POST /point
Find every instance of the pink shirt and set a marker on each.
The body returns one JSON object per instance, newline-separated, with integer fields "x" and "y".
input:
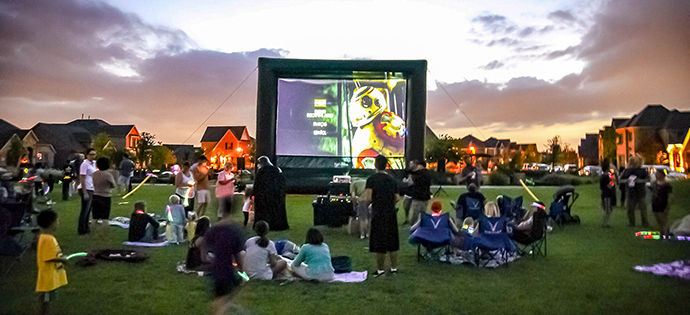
{"x": 227, "y": 189}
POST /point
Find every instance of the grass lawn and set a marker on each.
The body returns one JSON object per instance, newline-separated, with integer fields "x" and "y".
{"x": 588, "y": 271}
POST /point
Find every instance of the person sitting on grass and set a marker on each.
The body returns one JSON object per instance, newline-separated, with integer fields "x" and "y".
{"x": 51, "y": 263}
{"x": 142, "y": 227}
{"x": 197, "y": 256}
{"x": 176, "y": 217}
{"x": 261, "y": 260}
{"x": 314, "y": 259}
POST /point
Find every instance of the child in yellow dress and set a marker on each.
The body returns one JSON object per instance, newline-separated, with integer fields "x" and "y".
{"x": 51, "y": 263}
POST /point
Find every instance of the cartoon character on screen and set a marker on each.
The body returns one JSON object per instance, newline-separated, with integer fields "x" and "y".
{"x": 376, "y": 130}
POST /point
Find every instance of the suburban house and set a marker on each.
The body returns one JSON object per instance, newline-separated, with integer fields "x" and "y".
{"x": 656, "y": 133}
{"x": 227, "y": 143}
{"x": 183, "y": 152}
{"x": 54, "y": 144}
{"x": 588, "y": 150}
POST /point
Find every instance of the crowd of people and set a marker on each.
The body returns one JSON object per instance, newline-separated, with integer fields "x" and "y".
{"x": 221, "y": 249}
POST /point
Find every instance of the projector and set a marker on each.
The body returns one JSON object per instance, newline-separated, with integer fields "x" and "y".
{"x": 341, "y": 179}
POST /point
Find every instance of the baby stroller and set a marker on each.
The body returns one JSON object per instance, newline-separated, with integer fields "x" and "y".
{"x": 560, "y": 209}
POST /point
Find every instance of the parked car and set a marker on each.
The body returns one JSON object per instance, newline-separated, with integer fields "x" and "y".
{"x": 570, "y": 168}
{"x": 671, "y": 175}
{"x": 591, "y": 170}
{"x": 558, "y": 169}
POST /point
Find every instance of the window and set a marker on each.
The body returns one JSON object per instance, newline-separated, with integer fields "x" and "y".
{"x": 226, "y": 146}
{"x": 232, "y": 144}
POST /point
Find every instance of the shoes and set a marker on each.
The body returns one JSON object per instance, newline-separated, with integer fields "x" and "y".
{"x": 394, "y": 271}
{"x": 361, "y": 237}
{"x": 379, "y": 273}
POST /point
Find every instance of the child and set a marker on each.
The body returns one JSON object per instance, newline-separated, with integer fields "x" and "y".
{"x": 608, "y": 192}
{"x": 262, "y": 261}
{"x": 103, "y": 183}
{"x": 142, "y": 227}
{"x": 226, "y": 242}
{"x": 248, "y": 205}
{"x": 51, "y": 269}
{"x": 175, "y": 214}
{"x": 661, "y": 190}
{"x": 314, "y": 259}
{"x": 197, "y": 257}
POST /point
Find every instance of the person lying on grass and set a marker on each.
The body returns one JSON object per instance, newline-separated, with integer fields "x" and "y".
{"x": 262, "y": 261}
{"x": 314, "y": 259}
{"x": 142, "y": 227}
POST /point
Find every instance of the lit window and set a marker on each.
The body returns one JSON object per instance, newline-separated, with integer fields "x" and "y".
{"x": 39, "y": 156}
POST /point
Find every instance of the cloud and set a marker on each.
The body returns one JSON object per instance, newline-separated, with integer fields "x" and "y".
{"x": 492, "y": 65}
{"x": 505, "y": 41}
{"x": 562, "y": 16}
{"x": 527, "y": 31}
{"x": 75, "y": 57}
{"x": 634, "y": 54}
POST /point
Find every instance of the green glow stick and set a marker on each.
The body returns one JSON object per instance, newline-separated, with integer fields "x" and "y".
{"x": 76, "y": 255}
{"x": 243, "y": 275}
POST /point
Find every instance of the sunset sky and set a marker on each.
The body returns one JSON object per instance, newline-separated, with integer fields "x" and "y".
{"x": 525, "y": 70}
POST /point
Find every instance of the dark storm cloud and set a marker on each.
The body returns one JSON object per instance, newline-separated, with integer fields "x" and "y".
{"x": 636, "y": 53}
{"x": 53, "y": 53}
{"x": 492, "y": 65}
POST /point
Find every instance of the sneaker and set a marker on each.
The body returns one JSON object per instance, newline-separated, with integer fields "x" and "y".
{"x": 361, "y": 237}
{"x": 394, "y": 270}
{"x": 379, "y": 273}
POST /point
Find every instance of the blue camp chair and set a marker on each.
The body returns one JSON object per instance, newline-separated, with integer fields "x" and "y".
{"x": 511, "y": 208}
{"x": 493, "y": 242}
{"x": 472, "y": 207}
{"x": 433, "y": 233}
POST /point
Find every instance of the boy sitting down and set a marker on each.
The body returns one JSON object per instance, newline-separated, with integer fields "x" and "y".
{"x": 142, "y": 227}
{"x": 51, "y": 268}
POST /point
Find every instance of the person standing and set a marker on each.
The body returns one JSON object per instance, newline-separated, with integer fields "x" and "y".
{"x": 76, "y": 167}
{"x": 86, "y": 170}
{"x": 468, "y": 175}
{"x": 226, "y": 242}
{"x": 269, "y": 195}
{"x": 636, "y": 178}
{"x": 420, "y": 187}
{"x": 225, "y": 189}
{"x": 126, "y": 169}
{"x": 382, "y": 192}
{"x": 184, "y": 186}
{"x": 622, "y": 187}
{"x": 608, "y": 192}
{"x": 66, "y": 181}
{"x": 407, "y": 191}
{"x": 661, "y": 190}
{"x": 103, "y": 183}
{"x": 203, "y": 193}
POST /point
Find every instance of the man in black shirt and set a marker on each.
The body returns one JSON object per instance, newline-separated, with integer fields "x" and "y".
{"x": 142, "y": 227}
{"x": 382, "y": 192}
{"x": 420, "y": 189}
{"x": 470, "y": 204}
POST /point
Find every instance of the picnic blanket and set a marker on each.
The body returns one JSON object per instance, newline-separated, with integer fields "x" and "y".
{"x": 679, "y": 269}
{"x": 350, "y": 277}
{"x": 120, "y": 221}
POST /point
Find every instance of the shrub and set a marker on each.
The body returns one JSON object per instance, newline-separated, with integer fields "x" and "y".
{"x": 565, "y": 179}
{"x": 498, "y": 179}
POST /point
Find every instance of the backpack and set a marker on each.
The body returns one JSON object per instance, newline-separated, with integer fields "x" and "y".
{"x": 341, "y": 264}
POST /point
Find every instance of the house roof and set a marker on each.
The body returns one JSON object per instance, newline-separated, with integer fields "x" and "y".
{"x": 115, "y": 130}
{"x": 618, "y": 122}
{"x": 63, "y": 137}
{"x": 470, "y": 139}
{"x": 650, "y": 116}
{"x": 91, "y": 125}
{"x": 215, "y": 133}
{"x": 6, "y": 131}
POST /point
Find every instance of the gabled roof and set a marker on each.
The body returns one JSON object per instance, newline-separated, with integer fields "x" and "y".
{"x": 618, "y": 122}
{"x": 6, "y": 131}
{"x": 678, "y": 120}
{"x": 91, "y": 125}
{"x": 470, "y": 139}
{"x": 491, "y": 142}
{"x": 115, "y": 131}
{"x": 64, "y": 137}
{"x": 215, "y": 133}
{"x": 650, "y": 116}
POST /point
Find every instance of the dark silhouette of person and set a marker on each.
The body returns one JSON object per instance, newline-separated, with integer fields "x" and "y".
{"x": 269, "y": 195}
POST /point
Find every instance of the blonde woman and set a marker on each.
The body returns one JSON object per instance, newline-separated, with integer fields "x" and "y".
{"x": 635, "y": 179}
{"x": 491, "y": 210}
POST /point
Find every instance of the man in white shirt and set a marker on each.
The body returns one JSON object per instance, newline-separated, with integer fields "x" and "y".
{"x": 85, "y": 188}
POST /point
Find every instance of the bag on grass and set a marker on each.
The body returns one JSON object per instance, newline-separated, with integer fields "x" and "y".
{"x": 341, "y": 264}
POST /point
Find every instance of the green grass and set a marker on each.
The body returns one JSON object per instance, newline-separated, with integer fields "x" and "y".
{"x": 588, "y": 271}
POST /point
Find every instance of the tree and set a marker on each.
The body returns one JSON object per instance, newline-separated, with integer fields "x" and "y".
{"x": 103, "y": 145}
{"x": 161, "y": 156}
{"x": 144, "y": 148}
{"x": 609, "y": 138}
{"x": 554, "y": 147}
{"x": 16, "y": 151}
{"x": 445, "y": 148}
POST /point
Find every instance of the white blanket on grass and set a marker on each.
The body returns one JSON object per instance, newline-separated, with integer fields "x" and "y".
{"x": 144, "y": 244}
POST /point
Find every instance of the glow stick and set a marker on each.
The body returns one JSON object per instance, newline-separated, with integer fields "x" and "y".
{"x": 76, "y": 255}
{"x": 47, "y": 190}
{"x": 169, "y": 213}
{"x": 188, "y": 193}
{"x": 529, "y": 191}
{"x": 243, "y": 275}
{"x": 642, "y": 233}
{"x": 135, "y": 188}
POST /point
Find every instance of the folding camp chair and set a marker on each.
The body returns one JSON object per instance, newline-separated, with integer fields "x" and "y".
{"x": 511, "y": 208}
{"x": 493, "y": 243}
{"x": 434, "y": 234}
{"x": 535, "y": 242}
{"x": 471, "y": 207}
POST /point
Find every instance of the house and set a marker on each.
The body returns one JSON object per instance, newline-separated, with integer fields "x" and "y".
{"x": 472, "y": 145}
{"x": 227, "y": 143}
{"x": 183, "y": 152}
{"x": 588, "y": 150}
{"x": 55, "y": 144}
{"x": 651, "y": 133}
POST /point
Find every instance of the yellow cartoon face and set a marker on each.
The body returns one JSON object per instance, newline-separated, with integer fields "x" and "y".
{"x": 365, "y": 104}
